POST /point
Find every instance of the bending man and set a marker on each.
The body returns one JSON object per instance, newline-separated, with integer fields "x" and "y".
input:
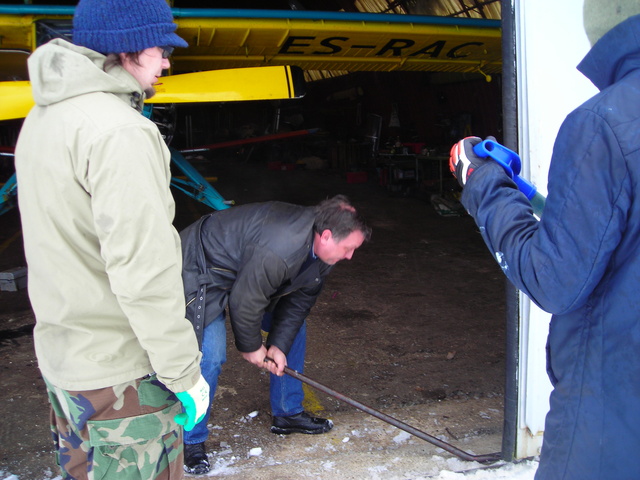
{"x": 267, "y": 263}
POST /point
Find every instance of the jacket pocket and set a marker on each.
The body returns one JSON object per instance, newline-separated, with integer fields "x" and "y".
{"x": 135, "y": 448}
{"x": 222, "y": 278}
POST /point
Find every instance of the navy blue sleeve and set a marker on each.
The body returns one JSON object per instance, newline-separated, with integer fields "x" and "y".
{"x": 558, "y": 261}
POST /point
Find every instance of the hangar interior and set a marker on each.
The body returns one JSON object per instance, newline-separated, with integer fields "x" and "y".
{"x": 412, "y": 326}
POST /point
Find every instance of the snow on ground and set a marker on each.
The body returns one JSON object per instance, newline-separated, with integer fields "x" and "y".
{"x": 511, "y": 471}
{"x": 11, "y": 476}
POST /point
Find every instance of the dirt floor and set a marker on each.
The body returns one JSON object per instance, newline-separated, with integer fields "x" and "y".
{"x": 412, "y": 326}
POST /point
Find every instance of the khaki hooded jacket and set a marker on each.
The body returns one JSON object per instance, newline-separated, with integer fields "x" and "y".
{"x": 103, "y": 258}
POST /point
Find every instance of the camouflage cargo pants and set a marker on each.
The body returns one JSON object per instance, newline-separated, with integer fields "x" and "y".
{"x": 124, "y": 432}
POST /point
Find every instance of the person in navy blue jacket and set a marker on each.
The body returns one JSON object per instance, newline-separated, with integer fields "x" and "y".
{"x": 580, "y": 262}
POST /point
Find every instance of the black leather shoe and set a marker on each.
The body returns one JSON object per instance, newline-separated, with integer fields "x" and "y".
{"x": 195, "y": 459}
{"x": 300, "y": 423}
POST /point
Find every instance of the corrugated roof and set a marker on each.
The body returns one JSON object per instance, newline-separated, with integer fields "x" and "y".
{"x": 442, "y": 8}
{"x": 489, "y": 9}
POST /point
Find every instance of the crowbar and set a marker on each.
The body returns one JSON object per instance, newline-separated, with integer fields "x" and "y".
{"x": 487, "y": 458}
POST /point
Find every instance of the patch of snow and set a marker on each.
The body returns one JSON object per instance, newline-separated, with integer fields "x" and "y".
{"x": 328, "y": 465}
{"x": 255, "y": 452}
{"x": 225, "y": 449}
{"x": 510, "y": 471}
{"x": 402, "y": 437}
{"x": 222, "y": 466}
{"x": 10, "y": 476}
{"x": 456, "y": 464}
{"x": 377, "y": 469}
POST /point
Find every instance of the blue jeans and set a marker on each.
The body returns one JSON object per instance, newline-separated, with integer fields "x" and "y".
{"x": 285, "y": 392}
{"x": 214, "y": 355}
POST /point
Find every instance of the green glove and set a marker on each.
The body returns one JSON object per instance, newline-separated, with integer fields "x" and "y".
{"x": 195, "y": 403}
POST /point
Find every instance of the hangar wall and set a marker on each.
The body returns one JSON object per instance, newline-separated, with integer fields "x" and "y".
{"x": 549, "y": 87}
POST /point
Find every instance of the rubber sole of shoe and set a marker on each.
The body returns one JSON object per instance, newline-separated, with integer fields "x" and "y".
{"x": 200, "y": 469}
{"x": 289, "y": 430}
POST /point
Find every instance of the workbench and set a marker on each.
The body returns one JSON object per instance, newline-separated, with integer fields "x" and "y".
{"x": 399, "y": 172}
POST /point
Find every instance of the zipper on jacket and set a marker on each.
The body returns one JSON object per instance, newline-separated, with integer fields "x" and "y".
{"x": 222, "y": 270}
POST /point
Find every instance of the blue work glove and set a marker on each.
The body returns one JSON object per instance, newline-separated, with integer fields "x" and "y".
{"x": 463, "y": 161}
{"x": 195, "y": 403}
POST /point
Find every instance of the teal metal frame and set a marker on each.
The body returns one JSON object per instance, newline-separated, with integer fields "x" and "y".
{"x": 196, "y": 186}
{"x": 8, "y": 194}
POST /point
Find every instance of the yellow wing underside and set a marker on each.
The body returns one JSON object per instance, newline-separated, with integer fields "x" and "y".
{"x": 222, "y": 52}
{"x": 217, "y": 43}
{"x": 231, "y": 85}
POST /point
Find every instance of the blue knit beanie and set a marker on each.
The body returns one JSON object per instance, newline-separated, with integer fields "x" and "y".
{"x": 122, "y": 26}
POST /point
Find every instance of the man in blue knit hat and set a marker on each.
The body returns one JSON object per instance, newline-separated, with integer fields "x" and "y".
{"x": 119, "y": 359}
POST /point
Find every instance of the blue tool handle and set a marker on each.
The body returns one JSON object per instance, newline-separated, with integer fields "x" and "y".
{"x": 509, "y": 159}
{"x": 525, "y": 187}
{"x": 510, "y": 162}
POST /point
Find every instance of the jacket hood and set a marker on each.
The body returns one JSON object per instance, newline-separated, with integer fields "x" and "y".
{"x": 60, "y": 70}
{"x": 616, "y": 54}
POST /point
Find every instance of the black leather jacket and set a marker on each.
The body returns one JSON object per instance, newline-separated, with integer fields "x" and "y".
{"x": 250, "y": 258}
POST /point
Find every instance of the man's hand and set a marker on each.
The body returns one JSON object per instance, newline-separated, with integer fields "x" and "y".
{"x": 195, "y": 402}
{"x": 463, "y": 161}
{"x": 276, "y": 363}
{"x": 279, "y": 360}
{"x": 257, "y": 357}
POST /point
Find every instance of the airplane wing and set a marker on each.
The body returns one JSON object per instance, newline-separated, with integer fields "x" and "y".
{"x": 337, "y": 41}
{"x": 230, "y": 85}
{"x": 311, "y": 40}
{"x": 283, "y": 41}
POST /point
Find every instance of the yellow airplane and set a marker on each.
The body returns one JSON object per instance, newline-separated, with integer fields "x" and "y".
{"x": 311, "y": 40}
{"x": 228, "y": 85}
{"x": 236, "y": 39}
{"x": 229, "y": 39}
{"x": 336, "y": 41}
{"x": 260, "y": 54}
